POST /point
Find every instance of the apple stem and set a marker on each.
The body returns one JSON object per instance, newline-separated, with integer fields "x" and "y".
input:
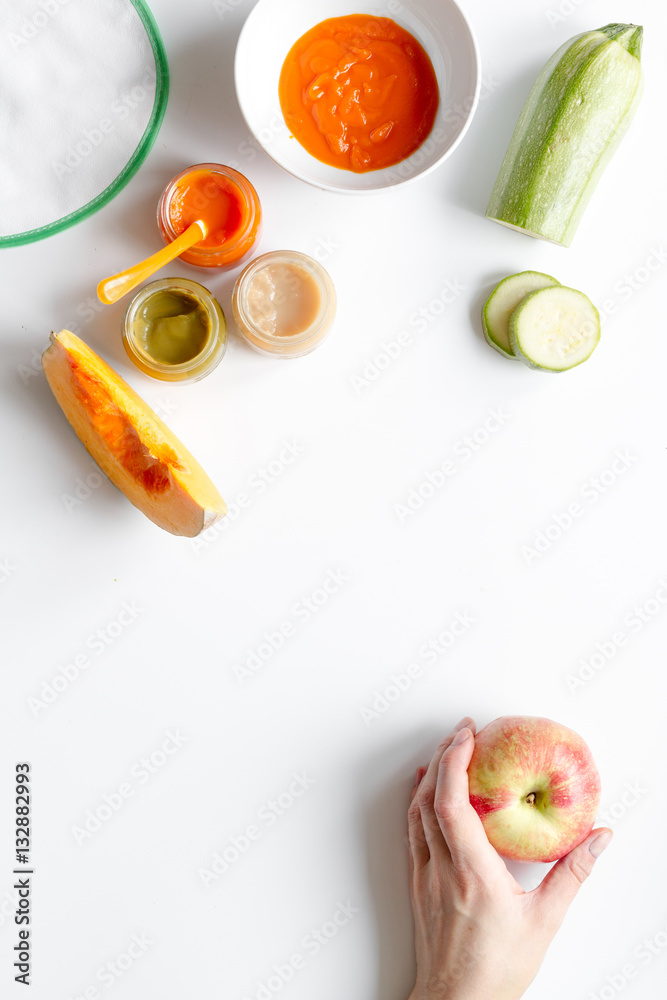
{"x": 530, "y": 799}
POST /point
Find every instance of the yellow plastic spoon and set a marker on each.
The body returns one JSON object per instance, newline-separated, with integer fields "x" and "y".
{"x": 111, "y": 289}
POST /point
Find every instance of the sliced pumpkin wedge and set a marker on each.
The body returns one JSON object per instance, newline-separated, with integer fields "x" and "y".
{"x": 129, "y": 442}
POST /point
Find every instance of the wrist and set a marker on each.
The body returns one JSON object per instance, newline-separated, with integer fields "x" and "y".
{"x": 446, "y": 991}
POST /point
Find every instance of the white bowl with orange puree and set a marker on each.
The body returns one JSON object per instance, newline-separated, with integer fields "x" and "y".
{"x": 284, "y": 303}
{"x": 359, "y": 93}
{"x": 328, "y": 89}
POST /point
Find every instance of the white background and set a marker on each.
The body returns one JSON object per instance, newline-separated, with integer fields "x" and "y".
{"x": 70, "y": 568}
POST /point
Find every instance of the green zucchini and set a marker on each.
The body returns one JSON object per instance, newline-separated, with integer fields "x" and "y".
{"x": 576, "y": 114}
{"x": 502, "y": 302}
{"x": 554, "y": 329}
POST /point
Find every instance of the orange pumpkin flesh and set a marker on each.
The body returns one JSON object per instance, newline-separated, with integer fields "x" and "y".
{"x": 129, "y": 442}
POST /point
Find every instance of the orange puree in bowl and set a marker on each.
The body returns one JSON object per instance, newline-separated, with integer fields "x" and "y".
{"x": 358, "y": 92}
{"x": 215, "y": 200}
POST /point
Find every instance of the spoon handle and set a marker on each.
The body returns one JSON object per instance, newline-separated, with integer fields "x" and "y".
{"x": 111, "y": 289}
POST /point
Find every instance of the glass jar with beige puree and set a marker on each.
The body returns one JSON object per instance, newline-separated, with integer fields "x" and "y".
{"x": 284, "y": 303}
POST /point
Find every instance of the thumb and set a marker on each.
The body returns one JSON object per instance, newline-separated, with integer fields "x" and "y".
{"x": 568, "y": 875}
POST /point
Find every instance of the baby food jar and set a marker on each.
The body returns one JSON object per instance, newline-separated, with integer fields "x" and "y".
{"x": 175, "y": 330}
{"x": 284, "y": 303}
{"x": 225, "y": 201}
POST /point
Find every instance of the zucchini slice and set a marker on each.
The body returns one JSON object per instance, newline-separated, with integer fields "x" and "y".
{"x": 502, "y": 302}
{"x": 554, "y": 329}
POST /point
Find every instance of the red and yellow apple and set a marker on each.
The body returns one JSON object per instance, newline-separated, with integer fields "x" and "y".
{"x": 535, "y": 786}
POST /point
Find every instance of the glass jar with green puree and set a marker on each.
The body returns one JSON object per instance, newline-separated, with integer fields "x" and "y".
{"x": 175, "y": 330}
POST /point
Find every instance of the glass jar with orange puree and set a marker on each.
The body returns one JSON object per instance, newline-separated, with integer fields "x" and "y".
{"x": 225, "y": 201}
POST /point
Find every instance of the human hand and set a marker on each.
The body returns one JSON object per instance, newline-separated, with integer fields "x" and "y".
{"x": 478, "y": 935}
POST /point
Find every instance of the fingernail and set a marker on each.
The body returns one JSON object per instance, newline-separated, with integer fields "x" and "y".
{"x": 419, "y": 774}
{"x": 461, "y": 737}
{"x": 601, "y": 843}
{"x": 465, "y": 721}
